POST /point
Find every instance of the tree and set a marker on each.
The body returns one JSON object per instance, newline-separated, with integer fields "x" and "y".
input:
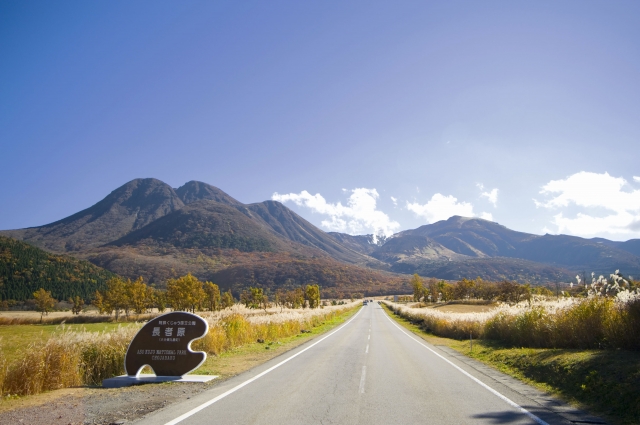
{"x": 254, "y": 298}
{"x": 312, "y": 295}
{"x": 212, "y": 293}
{"x": 98, "y": 302}
{"x": 78, "y": 303}
{"x": 185, "y": 293}
{"x": 159, "y": 299}
{"x": 418, "y": 289}
{"x": 115, "y": 298}
{"x": 295, "y": 298}
{"x": 227, "y": 299}
{"x": 44, "y": 302}
{"x": 139, "y": 295}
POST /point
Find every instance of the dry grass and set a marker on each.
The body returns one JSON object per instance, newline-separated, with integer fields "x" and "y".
{"x": 71, "y": 357}
{"x": 55, "y": 318}
{"x": 595, "y": 322}
{"x": 66, "y": 360}
{"x": 239, "y": 325}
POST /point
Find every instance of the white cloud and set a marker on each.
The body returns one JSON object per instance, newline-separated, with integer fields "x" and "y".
{"x": 593, "y": 191}
{"x": 394, "y": 200}
{"x": 359, "y": 216}
{"x": 492, "y": 196}
{"x": 486, "y": 216}
{"x": 636, "y": 178}
{"x": 441, "y": 207}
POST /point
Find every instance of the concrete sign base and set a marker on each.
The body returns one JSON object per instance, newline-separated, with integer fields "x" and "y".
{"x": 126, "y": 380}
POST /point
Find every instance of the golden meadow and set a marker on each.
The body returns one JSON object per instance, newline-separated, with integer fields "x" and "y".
{"x": 72, "y": 356}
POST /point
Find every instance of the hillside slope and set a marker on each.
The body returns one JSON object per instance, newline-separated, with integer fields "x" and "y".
{"x": 24, "y": 269}
{"x": 128, "y": 208}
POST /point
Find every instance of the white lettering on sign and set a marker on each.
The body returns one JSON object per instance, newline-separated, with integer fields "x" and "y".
{"x": 156, "y": 332}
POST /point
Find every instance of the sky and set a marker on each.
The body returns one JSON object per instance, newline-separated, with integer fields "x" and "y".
{"x": 363, "y": 117}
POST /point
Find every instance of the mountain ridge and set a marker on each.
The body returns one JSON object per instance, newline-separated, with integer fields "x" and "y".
{"x": 147, "y": 226}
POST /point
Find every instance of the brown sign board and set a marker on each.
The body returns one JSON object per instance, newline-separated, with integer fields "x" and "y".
{"x": 164, "y": 344}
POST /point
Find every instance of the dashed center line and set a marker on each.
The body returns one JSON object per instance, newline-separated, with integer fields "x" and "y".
{"x": 364, "y": 374}
{"x": 367, "y": 350}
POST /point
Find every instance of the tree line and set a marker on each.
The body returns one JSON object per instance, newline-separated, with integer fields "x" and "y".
{"x": 433, "y": 290}
{"x": 186, "y": 293}
{"x": 295, "y": 298}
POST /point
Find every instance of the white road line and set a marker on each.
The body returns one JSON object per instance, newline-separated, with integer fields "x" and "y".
{"x": 504, "y": 398}
{"x": 367, "y": 350}
{"x": 364, "y": 374}
{"x": 248, "y": 381}
{"x": 368, "y": 337}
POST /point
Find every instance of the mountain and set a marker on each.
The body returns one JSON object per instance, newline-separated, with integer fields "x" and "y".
{"x": 632, "y": 246}
{"x": 482, "y": 239}
{"x": 493, "y": 269}
{"x": 197, "y": 191}
{"x": 473, "y": 237}
{"x": 290, "y": 226}
{"x": 24, "y": 269}
{"x": 364, "y": 244}
{"x": 578, "y": 254}
{"x": 146, "y": 228}
{"x": 205, "y": 224}
{"x": 412, "y": 248}
{"x": 128, "y": 208}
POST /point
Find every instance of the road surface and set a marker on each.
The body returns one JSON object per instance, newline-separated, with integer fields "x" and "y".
{"x": 368, "y": 371}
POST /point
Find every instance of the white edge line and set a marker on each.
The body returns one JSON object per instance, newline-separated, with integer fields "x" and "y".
{"x": 504, "y": 398}
{"x": 248, "y": 381}
{"x": 362, "y": 378}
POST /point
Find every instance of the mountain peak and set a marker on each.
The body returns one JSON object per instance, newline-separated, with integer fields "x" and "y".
{"x": 129, "y": 207}
{"x": 196, "y": 191}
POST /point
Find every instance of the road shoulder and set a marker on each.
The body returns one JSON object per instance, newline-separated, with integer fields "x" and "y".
{"x": 542, "y": 404}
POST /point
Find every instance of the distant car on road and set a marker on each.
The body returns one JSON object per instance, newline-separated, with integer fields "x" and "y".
{"x": 364, "y": 302}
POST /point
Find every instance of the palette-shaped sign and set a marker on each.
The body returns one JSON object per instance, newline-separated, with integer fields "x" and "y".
{"x": 164, "y": 344}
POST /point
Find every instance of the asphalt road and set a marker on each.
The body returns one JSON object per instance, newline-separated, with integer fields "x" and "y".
{"x": 368, "y": 371}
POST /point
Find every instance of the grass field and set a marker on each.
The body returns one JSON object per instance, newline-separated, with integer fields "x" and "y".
{"x": 14, "y": 339}
{"x": 604, "y": 382}
{"x": 40, "y": 358}
{"x": 225, "y": 365}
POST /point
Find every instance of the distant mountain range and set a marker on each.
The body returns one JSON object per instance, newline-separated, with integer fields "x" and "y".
{"x": 459, "y": 243}
{"x": 148, "y": 228}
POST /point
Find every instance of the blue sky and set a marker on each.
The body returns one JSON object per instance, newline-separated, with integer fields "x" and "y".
{"x": 361, "y": 116}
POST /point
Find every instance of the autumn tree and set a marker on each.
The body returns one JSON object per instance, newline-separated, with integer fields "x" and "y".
{"x": 139, "y": 295}
{"x": 78, "y": 304}
{"x": 44, "y": 302}
{"x": 312, "y": 295}
{"x": 227, "y": 299}
{"x": 159, "y": 299}
{"x": 418, "y": 289}
{"x": 185, "y": 293}
{"x": 254, "y": 298}
{"x": 279, "y": 299}
{"x": 464, "y": 289}
{"x": 295, "y": 298}
{"x": 212, "y": 293}
{"x": 115, "y": 298}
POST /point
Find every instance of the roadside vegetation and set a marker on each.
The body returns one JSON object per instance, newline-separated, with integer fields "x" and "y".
{"x": 74, "y": 355}
{"x": 583, "y": 345}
